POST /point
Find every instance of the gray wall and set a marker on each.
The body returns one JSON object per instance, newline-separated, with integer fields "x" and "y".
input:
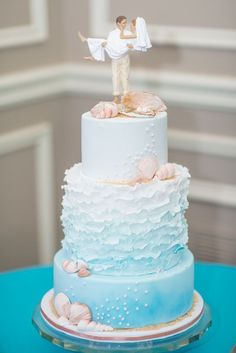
{"x": 45, "y": 86}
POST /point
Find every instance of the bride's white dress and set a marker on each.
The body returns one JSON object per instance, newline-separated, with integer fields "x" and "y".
{"x": 115, "y": 47}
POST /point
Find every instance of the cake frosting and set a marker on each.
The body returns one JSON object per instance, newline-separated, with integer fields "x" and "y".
{"x": 119, "y": 229}
{"x": 124, "y": 261}
{"x": 111, "y": 148}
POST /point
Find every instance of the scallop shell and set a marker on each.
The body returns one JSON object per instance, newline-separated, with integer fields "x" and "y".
{"x": 70, "y": 266}
{"x": 79, "y": 312}
{"x": 62, "y": 305}
{"x": 148, "y": 167}
{"x": 143, "y": 103}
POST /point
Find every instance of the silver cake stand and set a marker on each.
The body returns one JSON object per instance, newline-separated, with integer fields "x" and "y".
{"x": 146, "y": 340}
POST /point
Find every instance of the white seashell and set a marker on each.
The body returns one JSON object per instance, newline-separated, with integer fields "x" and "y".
{"x": 79, "y": 312}
{"x": 63, "y": 321}
{"x": 62, "y": 305}
{"x": 166, "y": 171}
{"x": 82, "y": 325}
{"x": 148, "y": 167}
{"x": 104, "y": 110}
{"x": 69, "y": 266}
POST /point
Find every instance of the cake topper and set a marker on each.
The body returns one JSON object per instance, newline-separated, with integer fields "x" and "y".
{"x": 117, "y": 46}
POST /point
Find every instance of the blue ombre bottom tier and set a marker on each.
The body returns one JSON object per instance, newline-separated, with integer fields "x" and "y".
{"x": 130, "y": 301}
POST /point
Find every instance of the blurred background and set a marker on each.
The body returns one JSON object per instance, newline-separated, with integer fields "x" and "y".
{"x": 45, "y": 86}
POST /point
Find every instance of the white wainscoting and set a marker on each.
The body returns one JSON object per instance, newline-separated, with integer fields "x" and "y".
{"x": 196, "y": 91}
{"x": 40, "y": 138}
{"x": 34, "y": 32}
{"x": 220, "y": 38}
{"x": 183, "y": 89}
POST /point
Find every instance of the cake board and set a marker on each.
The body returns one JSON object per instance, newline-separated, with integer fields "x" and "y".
{"x": 171, "y": 336}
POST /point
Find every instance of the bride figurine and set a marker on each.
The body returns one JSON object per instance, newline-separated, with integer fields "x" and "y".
{"x": 117, "y": 46}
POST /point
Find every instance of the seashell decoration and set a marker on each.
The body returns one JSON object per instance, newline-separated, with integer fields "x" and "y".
{"x": 143, "y": 103}
{"x": 104, "y": 110}
{"x": 69, "y": 266}
{"x": 79, "y": 312}
{"x": 62, "y": 305}
{"x": 80, "y": 267}
{"x": 83, "y": 272}
{"x": 148, "y": 167}
{"x": 76, "y": 314}
{"x": 166, "y": 171}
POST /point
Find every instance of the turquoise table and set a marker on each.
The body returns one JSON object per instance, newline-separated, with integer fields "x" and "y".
{"x": 21, "y": 290}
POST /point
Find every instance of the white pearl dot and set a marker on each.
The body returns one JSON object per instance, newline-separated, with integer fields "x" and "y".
{"x": 128, "y": 288}
{"x": 136, "y": 299}
{"x": 122, "y": 319}
{"x": 120, "y": 323}
{"x": 128, "y": 325}
{"x": 127, "y": 312}
{"x": 124, "y": 303}
{"x": 117, "y": 299}
{"x": 125, "y": 309}
{"x": 107, "y": 300}
{"x": 113, "y": 318}
{"x": 108, "y": 315}
{"x": 146, "y": 305}
{"x": 125, "y": 295}
{"x": 146, "y": 291}
{"x": 137, "y": 308}
{"x": 117, "y": 308}
{"x": 108, "y": 321}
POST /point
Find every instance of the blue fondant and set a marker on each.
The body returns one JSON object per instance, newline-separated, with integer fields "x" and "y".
{"x": 131, "y": 301}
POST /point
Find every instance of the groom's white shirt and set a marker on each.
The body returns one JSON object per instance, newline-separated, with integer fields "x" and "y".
{"x": 117, "y": 47}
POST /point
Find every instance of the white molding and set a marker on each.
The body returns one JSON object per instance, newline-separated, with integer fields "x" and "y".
{"x": 216, "y": 38}
{"x": 34, "y": 32}
{"x": 220, "y": 194}
{"x": 40, "y": 137}
{"x": 209, "y": 144}
{"x": 178, "y": 89}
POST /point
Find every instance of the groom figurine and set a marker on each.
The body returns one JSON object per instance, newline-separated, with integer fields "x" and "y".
{"x": 120, "y": 65}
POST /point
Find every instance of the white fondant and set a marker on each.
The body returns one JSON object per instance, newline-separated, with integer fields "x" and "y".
{"x": 112, "y": 148}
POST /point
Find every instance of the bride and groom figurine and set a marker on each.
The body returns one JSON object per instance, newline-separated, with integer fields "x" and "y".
{"x": 117, "y": 46}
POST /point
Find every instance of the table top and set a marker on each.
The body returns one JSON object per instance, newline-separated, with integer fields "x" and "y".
{"x": 22, "y": 289}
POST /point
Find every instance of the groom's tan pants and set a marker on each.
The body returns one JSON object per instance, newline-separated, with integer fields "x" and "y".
{"x": 120, "y": 75}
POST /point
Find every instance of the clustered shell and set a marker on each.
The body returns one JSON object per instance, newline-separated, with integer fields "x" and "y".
{"x": 143, "y": 103}
{"x": 76, "y": 314}
{"x": 105, "y": 110}
{"x": 80, "y": 267}
{"x": 149, "y": 168}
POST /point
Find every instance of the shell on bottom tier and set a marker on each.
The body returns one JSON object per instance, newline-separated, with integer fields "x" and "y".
{"x": 162, "y": 330}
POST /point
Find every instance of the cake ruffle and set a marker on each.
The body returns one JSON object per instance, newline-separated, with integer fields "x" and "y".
{"x": 122, "y": 229}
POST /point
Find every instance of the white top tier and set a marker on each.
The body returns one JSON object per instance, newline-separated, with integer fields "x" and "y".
{"x": 112, "y": 148}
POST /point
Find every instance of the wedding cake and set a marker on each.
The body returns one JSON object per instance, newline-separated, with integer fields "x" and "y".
{"x": 124, "y": 261}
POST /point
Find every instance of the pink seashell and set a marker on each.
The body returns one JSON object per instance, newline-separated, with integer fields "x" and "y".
{"x": 79, "y": 312}
{"x": 166, "y": 171}
{"x": 143, "y": 103}
{"x": 62, "y": 305}
{"x": 148, "y": 167}
{"x": 69, "y": 266}
{"x": 83, "y": 272}
{"x": 104, "y": 110}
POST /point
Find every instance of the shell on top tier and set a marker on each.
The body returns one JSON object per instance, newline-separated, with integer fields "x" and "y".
{"x": 143, "y": 103}
{"x": 105, "y": 110}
